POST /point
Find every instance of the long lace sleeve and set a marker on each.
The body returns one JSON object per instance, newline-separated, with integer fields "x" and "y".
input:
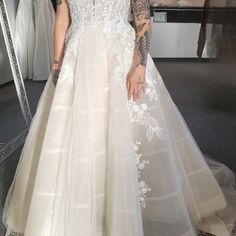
{"x": 142, "y": 25}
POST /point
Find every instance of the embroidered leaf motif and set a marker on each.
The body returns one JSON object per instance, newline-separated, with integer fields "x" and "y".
{"x": 140, "y": 116}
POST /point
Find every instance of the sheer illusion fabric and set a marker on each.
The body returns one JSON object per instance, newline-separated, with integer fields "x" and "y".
{"x": 95, "y": 163}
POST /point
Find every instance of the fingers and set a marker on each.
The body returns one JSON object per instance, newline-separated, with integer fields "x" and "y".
{"x": 136, "y": 92}
{"x": 127, "y": 84}
{"x": 144, "y": 87}
{"x": 130, "y": 93}
{"x": 135, "y": 95}
{"x": 135, "y": 84}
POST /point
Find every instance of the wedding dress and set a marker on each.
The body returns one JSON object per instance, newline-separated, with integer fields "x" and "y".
{"x": 96, "y": 163}
{"x": 33, "y": 38}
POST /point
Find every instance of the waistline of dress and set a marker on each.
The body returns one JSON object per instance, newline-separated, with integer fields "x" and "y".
{"x": 78, "y": 23}
{"x": 119, "y": 26}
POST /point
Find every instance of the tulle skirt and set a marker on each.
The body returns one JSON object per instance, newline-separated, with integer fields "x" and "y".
{"x": 95, "y": 163}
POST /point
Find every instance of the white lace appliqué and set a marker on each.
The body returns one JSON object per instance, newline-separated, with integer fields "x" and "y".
{"x": 143, "y": 186}
{"x": 140, "y": 115}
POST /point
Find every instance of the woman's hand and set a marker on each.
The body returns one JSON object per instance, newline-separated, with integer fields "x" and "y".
{"x": 135, "y": 82}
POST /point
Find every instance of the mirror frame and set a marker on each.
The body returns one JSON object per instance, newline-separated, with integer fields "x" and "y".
{"x": 8, "y": 148}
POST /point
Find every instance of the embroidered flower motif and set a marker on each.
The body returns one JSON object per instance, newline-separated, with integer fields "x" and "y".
{"x": 140, "y": 116}
{"x": 144, "y": 106}
{"x": 152, "y": 93}
{"x": 143, "y": 186}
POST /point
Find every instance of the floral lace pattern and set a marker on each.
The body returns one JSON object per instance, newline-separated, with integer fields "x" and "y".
{"x": 143, "y": 186}
{"x": 91, "y": 11}
{"x": 113, "y": 19}
{"x": 140, "y": 115}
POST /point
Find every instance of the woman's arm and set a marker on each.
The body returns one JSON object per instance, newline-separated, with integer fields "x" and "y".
{"x": 62, "y": 24}
{"x": 142, "y": 23}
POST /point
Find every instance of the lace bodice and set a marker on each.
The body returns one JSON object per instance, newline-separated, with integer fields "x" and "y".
{"x": 90, "y": 11}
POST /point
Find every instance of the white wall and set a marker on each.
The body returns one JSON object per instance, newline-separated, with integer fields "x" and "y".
{"x": 174, "y": 40}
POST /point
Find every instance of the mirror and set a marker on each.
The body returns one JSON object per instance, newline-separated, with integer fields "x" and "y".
{"x": 22, "y": 66}
{"x": 15, "y": 112}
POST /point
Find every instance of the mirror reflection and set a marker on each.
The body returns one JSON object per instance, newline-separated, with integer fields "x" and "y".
{"x": 193, "y": 47}
{"x": 11, "y": 118}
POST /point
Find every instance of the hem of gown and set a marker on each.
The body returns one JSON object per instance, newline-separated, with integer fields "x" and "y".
{"x": 217, "y": 204}
{"x": 10, "y": 232}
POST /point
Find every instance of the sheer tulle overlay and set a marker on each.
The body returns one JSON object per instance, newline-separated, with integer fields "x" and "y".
{"x": 95, "y": 163}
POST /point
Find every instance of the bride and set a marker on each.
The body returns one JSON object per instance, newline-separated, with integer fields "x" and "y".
{"x": 108, "y": 152}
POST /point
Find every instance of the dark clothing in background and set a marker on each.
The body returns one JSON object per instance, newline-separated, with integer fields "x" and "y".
{"x": 54, "y": 4}
{"x": 202, "y": 34}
